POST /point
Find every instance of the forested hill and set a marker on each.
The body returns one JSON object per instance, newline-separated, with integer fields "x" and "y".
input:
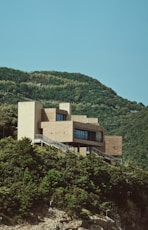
{"x": 119, "y": 116}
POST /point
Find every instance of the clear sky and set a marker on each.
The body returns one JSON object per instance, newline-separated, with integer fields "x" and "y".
{"x": 104, "y": 39}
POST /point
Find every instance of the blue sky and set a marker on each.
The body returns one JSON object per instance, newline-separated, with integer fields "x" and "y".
{"x": 104, "y": 39}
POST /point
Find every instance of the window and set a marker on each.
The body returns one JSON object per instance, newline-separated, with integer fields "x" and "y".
{"x": 99, "y": 136}
{"x": 92, "y": 136}
{"x": 88, "y": 135}
{"x": 60, "y": 117}
{"x": 81, "y": 134}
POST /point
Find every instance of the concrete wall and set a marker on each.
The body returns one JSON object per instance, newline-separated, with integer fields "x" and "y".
{"x": 29, "y": 117}
{"x": 84, "y": 119}
{"x": 113, "y": 145}
{"x": 61, "y": 131}
{"x": 49, "y": 114}
{"x": 66, "y": 107}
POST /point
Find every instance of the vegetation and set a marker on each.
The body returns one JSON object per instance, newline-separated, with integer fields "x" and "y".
{"x": 32, "y": 176}
{"x": 88, "y": 96}
{"x": 8, "y": 120}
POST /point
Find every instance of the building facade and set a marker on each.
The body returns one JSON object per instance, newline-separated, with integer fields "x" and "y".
{"x": 58, "y": 124}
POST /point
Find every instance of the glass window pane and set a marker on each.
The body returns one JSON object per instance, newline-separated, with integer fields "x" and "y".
{"x": 60, "y": 117}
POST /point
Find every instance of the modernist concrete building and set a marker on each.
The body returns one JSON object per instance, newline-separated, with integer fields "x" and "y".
{"x": 59, "y": 125}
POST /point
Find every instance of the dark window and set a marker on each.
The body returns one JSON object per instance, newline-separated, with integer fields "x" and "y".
{"x": 92, "y": 136}
{"x": 60, "y": 117}
{"x": 81, "y": 134}
{"x": 88, "y": 135}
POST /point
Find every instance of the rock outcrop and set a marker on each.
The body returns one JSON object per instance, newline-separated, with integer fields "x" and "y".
{"x": 59, "y": 220}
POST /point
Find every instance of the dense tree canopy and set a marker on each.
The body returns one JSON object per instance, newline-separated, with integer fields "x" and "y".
{"x": 31, "y": 176}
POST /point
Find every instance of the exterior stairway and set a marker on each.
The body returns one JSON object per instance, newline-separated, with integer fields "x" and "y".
{"x": 102, "y": 154}
{"x": 39, "y": 138}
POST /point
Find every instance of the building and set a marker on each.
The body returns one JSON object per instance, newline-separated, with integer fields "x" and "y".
{"x": 58, "y": 125}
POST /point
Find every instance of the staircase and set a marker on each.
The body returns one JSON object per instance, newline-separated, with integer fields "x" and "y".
{"x": 39, "y": 138}
{"x": 106, "y": 156}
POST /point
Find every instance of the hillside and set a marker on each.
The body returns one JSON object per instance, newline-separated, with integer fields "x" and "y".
{"x": 119, "y": 116}
{"x": 34, "y": 178}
